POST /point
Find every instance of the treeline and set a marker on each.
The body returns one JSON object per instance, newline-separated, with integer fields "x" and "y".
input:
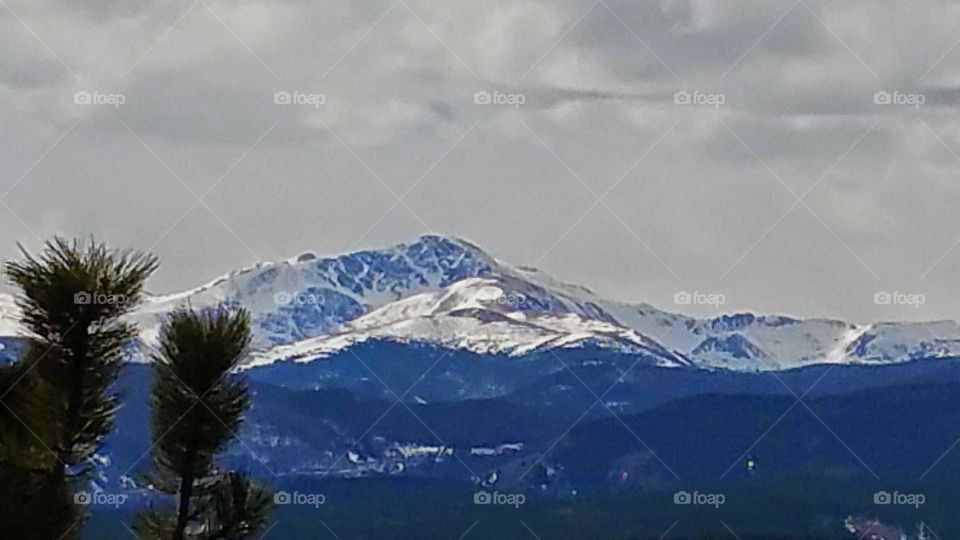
{"x": 57, "y": 403}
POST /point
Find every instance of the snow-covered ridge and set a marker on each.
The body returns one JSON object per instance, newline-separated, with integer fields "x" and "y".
{"x": 477, "y": 314}
{"x": 448, "y": 292}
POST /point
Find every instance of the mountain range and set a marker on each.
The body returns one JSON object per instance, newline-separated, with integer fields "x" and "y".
{"x": 447, "y": 292}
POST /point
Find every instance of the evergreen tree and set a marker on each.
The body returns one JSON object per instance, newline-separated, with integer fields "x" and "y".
{"x": 57, "y": 405}
{"x": 27, "y": 421}
{"x": 30, "y": 505}
{"x": 240, "y": 508}
{"x": 72, "y": 298}
{"x": 198, "y": 404}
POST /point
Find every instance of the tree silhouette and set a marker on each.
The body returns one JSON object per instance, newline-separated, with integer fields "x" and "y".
{"x": 198, "y": 404}
{"x": 57, "y": 405}
{"x": 31, "y": 506}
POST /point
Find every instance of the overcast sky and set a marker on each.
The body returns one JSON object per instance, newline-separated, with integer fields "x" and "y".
{"x": 787, "y": 188}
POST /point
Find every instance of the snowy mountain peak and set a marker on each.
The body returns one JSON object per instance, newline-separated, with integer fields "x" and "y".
{"x": 448, "y": 292}
{"x": 309, "y": 295}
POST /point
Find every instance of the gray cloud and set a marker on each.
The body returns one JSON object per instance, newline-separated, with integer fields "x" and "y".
{"x": 699, "y": 211}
